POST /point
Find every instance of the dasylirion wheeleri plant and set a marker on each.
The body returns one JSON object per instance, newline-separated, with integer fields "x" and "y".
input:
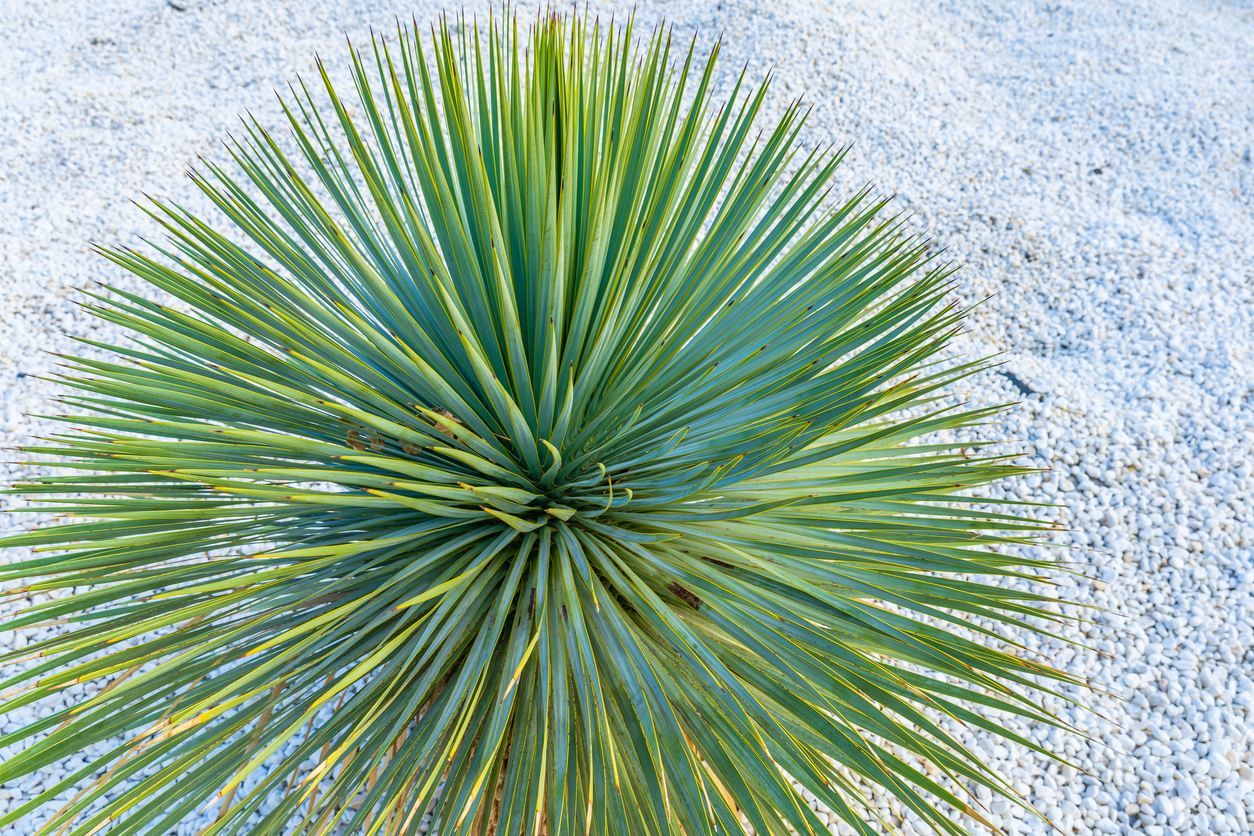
{"x": 542, "y": 450}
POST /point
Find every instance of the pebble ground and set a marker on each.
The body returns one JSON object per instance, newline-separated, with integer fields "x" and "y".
{"x": 1088, "y": 162}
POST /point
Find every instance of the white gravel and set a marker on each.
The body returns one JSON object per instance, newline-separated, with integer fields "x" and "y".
{"x": 1090, "y": 162}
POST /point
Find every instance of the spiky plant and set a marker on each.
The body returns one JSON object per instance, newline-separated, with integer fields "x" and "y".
{"x": 544, "y": 462}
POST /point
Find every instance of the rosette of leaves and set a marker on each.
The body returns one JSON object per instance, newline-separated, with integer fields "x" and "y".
{"x": 539, "y": 454}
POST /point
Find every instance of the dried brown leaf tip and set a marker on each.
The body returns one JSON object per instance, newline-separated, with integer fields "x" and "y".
{"x": 359, "y": 437}
{"x": 685, "y": 594}
{"x": 443, "y": 428}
